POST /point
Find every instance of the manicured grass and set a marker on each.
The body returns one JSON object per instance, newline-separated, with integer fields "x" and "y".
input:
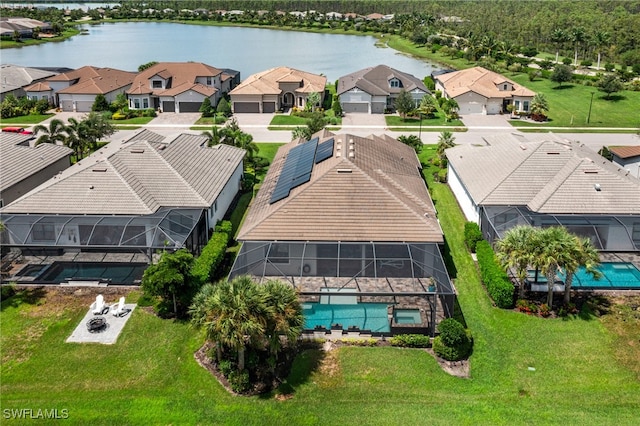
{"x": 293, "y": 120}
{"x": 569, "y": 104}
{"x": 150, "y": 376}
{"x": 67, "y": 33}
{"x": 26, "y": 119}
{"x": 438, "y": 120}
{"x": 134, "y": 120}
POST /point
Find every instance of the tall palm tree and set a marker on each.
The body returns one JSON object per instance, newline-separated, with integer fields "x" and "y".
{"x": 539, "y": 105}
{"x": 214, "y": 136}
{"x": 559, "y": 37}
{"x": 445, "y": 141}
{"x": 285, "y": 315}
{"x": 581, "y": 253}
{"x": 514, "y": 250}
{"x": 54, "y": 133}
{"x": 601, "y": 39}
{"x": 578, "y": 37}
{"x": 551, "y": 250}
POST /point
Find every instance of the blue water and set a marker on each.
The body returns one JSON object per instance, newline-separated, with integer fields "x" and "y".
{"x": 118, "y": 273}
{"x": 614, "y": 276}
{"x": 407, "y": 316}
{"x": 366, "y": 316}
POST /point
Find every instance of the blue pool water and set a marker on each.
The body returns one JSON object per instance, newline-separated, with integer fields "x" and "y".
{"x": 614, "y": 276}
{"x": 366, "y": 316}
{"x": 407, "y": 316}
{"x": 118, "y": 273}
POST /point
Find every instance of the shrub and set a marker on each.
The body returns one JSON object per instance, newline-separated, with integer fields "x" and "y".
{"x": 495, "y": 279}
{"x": 359, "y": 342}
{"x": 609, "y": 66}
{"x": 206, "y": 108}
{"x": 225, "y": 226}
{"x": 526, "y": 306}
{"x": 6, "y": 291}
{"x": 239, "y": 381}
{"x": 226, "y": 367}
{"x": 206, "y": 265}
{"x": 472, "y": 234}
{"x": 223, "y": 107}
{"x": 410, "y": 341}
{"x": 545, "y": 311}
{"x": 149, "y": 112}
{"x": 118, "y": 116}
{"x": 453, "y": 343}
{"x": 586, "y": 63}
{"x": 566, "y": 61}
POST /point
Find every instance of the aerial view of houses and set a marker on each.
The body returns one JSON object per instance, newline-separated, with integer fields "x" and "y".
{"x": 320, "y": 213}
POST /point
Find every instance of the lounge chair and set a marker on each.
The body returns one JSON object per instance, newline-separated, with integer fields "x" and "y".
{"x": 98, "y": 307}
{"x": 118, "y": 309}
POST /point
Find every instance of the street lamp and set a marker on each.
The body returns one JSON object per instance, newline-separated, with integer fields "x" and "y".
{"x": 590, "y": 103}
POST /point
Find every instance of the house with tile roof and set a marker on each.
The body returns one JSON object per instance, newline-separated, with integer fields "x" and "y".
{"x": 179, "y": 86}
{"x": 480, "y": 91}
{"x": 375, "y": 89}
{"x": 76, "y": 90}
{"x": 150, "y": 194}
{"x": 276, "y": 89}
{"x": 14, "y": 79}
{"x": 349, "y": 214}
{"x": 547, "y": 182}
{"x": 627, "y": 157}
{"x": 25, "y": 166}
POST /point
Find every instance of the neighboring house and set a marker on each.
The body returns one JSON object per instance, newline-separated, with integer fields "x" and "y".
{"x": 375, "y": 89}
{"x": 480, "y": 91}
{"x": 179, "y": 86}
{"x": 545, "y": 183}
{"x": 349, "y": 214}
{"x": 76, "y": 90}
{"x": 24, "y": 26}
{"x": 24, "y": 167}
{"x": 276, "y": 89}
{"x": 15, "y": 78}
{"x": 151, "y": 194}
{"x": 627, "y": 157}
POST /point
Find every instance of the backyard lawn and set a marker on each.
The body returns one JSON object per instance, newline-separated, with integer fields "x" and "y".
{"x": 524, "y": 369}
{"x": 25, "y": 119}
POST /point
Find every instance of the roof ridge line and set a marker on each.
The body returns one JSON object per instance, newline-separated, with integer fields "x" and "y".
{"x": 567, "y": 170}
{"x": 126, "y": 183}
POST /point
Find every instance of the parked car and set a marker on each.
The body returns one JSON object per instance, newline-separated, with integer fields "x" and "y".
{"x": 17, "y": 130}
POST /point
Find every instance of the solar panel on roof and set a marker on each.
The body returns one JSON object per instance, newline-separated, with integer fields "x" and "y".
{"x": 296, "y": 170}
{"x": 300, "y": 180}
{"x": 324, "y": 151}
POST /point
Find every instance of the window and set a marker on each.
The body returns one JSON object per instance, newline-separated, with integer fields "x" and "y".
{"x": 394, "y": 83}
{"x": 504, "y": 87}
{"x": 300, "y": 101}
{"x": 136, "y": 103}
{"x": 208, "y": 81}
{"x": 516, "y": 105}
{"x": 279, "y": 253}
{"x": 525, "y": 105}
{"x": 156, "y": 84}
{"x": 145, "y": 103}
{"x": 635, "y": 234}
{"x": 43, "y": 232}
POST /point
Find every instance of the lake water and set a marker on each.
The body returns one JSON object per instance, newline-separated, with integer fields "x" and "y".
{"x": 126, "y": 45}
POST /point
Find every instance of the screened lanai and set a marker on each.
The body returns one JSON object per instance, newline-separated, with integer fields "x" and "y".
{"x": 606, "y": 232}
{"x": 398, "y": 274}
{"x": 171, "y": 227}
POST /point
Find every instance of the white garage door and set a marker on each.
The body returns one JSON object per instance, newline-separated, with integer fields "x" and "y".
{"x": 471, "y": 108}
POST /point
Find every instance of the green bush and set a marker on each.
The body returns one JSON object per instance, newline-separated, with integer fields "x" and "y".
{"x": 239, "y": 381}
{"x": 206, "y": 265}
{"x": 495, "y": 279}
{"x": 226, "y": 367}
{"x": 219, "y": 119}
{"x": 118, "y": 116}
{"x": 454, "y": 342}
{"x": 225, "y": 226}
{"x": 359, "y": 342}
{"x": 410, "y": 341}
{"x": 7, "y": 290}
{"x": 472, "y": 234}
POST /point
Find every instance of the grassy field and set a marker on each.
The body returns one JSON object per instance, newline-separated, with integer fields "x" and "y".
{"x": 67, "y": 33}
{"x": 586, "y": 367}
{"x": 25, "y": 119}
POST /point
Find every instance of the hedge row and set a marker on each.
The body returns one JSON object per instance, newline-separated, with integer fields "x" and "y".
{"x": 498, "y": 285}
{"x": 410, "y": 341}
{"x": 454, "y": 342}
{"x": 472, "y": 234}
{"x": 206, "y": 265}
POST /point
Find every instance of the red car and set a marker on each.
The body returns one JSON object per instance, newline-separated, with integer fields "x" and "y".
{"x": 20, "y": 130}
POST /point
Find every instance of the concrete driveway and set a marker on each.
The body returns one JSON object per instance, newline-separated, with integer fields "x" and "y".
{"x": 363, "y": 120}
{"x": 253, "y": 120}
{"x": 479, "y": 121}
{"x": 174, "y": 119}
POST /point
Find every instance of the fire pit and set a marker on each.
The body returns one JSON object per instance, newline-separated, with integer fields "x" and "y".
{"x": 97, "y": 325}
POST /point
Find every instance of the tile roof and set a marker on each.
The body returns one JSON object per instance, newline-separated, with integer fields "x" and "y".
{"x": 183, "y": 77}
{"x": 378, "y": 195}
{"x": 94, "y": 80}
{"x": 375, "y": 81}
{"x": 481, "y": 81}
{"x": 18, "y": 160}
{"x": 553, "y": 176}
{"x": 15, "y": 77}
{"x": 268, "y": 82}
{"x": 625, "y": 151}
{"x": 139, "y": 179}
{"x": 41, "y": 86}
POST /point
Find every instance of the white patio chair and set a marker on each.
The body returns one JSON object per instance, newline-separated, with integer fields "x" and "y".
{"x": 118, "y": 309}
{"x": 98, "y": 307}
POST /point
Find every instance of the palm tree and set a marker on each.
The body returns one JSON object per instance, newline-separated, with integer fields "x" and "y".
{"x": 445, "y": 141}
{"x": 54, "y": 133}
{"x": 559, "y": 37}
{"x": 76, "y": 137}
{"x": 551, "y": 250}
{"x": 581, "y": 253}
{"x": 232, "y": 314}
{"x": 578, "y": 36}
{"x": 600, "y": 39}
{"x": 285, "y": 315}
{"x": 514, "y": 250}
{"x": 539, "y": 105}
{"x": 213, "y": 136}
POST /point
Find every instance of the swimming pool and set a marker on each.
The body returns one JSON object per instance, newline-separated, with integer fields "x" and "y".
{"x": 117, "y": 273}
{"x": 365, "y": 316}
{"x": 615, "y": 275}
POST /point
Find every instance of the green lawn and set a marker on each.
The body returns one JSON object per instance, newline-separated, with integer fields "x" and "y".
{"x": 293, "y": 120}
{"x": 150, "y": 376}
{"x": 25, "y": 119}
{"x": 569, "y": 104}
{"x": 396, "y": 121}
{"x": 134, "y": 120}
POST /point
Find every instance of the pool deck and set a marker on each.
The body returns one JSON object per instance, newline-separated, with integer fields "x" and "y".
{"x": 107, "y": 337}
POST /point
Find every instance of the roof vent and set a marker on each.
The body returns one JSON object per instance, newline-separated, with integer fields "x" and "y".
{"x": 344, "y": 170}
{"x": 91, "y": 187}
{"x": 597, "y": 187}
{"x": 553, "y": 153}
{"x": 352, "y": 154}
{"x": 99, "y": 169}
{"x": 137, "y": 151}
{"x": 522, "y": 147}
{"x": 591, "y": 172}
